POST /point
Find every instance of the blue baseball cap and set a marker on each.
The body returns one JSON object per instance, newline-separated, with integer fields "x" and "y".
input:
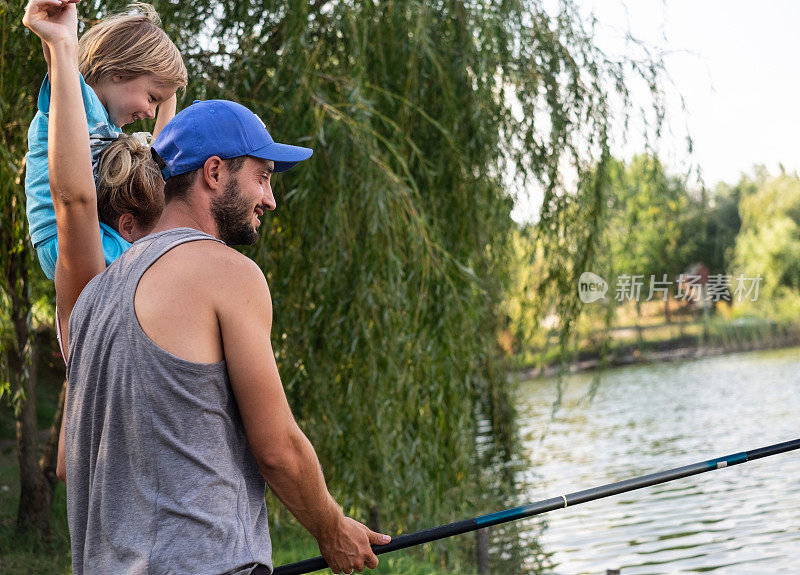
{"x": 219, "y": 128}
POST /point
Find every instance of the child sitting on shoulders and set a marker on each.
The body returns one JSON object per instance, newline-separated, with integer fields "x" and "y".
{"x": 128, "y": 67}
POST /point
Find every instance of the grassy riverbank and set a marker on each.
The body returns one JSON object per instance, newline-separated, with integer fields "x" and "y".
{"x": 658, "y": 341}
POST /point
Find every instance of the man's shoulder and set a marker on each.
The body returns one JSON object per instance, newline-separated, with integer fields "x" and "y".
{"x": 213, "y": 264}
{"x": 216, "y": 277}
{"x": 192, "y": 292}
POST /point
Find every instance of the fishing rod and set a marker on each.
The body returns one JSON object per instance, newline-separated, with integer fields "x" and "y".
{"x": 545, "y": 505}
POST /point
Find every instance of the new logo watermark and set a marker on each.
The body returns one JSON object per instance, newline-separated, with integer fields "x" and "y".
{"x": 688, "y": 287}
{"x": 591, "y": 287}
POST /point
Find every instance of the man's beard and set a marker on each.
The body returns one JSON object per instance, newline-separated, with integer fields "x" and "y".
{"x": 233, "y": 217}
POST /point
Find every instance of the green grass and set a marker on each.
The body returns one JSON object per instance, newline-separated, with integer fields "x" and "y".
{"x": 23, "y": 553}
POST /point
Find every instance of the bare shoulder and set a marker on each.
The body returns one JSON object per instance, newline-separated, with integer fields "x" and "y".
{"x": 213, "y": 262}
{"x": 225, "y": 275}
{"x": 192, "y": 293}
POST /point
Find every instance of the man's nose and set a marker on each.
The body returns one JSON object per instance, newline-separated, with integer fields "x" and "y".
{"x": 269, "y": 198}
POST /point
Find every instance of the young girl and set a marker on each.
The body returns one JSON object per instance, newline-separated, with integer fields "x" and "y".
{"x": 127, "y": 68}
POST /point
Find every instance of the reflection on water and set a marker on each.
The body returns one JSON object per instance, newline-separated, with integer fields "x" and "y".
{"x": 643, "y": 419}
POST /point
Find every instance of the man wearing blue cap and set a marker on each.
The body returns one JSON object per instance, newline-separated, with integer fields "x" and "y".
{"x": 176, "y": 415}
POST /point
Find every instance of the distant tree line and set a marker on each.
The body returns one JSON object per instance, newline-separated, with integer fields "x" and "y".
{"x": 656, "y": 224}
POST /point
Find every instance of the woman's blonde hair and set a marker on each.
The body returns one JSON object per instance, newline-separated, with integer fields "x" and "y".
{"x": 130, "y": 45}
{"x": 128, "y": 181}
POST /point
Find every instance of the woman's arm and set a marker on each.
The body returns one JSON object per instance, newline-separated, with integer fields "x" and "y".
{"x": 80, "y": 255}
{"x": 61, "y": 462}
{"x": 37, "y": 13}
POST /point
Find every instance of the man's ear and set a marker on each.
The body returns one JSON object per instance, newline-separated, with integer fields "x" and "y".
{"x": 212, "y": 172}
{"x": 125, "y": 227}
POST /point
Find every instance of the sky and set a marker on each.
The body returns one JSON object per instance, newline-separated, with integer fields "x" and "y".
{"x": 736, "y": 63}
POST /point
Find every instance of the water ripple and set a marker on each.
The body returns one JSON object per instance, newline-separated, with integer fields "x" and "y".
{"x": 741, "y": 520}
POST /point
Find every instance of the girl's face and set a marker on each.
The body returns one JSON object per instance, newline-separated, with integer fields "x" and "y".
{"x": 131, "y": 99}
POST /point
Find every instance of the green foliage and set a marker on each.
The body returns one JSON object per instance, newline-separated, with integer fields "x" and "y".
{"x": 769, "y": 242}
{"x": 709, "y": 227}
{"x": 24, "y": 552}
{"x": 641, "y": 226}
{"x": 654, "y": 224}
{"x": 16, "y": 86}
{"x": 647, "y": 223}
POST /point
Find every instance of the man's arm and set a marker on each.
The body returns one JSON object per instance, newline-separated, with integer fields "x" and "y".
{"x": 284, "y": 454}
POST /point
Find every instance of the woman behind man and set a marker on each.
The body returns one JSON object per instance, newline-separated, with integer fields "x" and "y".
{"x": 130, "y": 189}
{"x": 129, "y": 192}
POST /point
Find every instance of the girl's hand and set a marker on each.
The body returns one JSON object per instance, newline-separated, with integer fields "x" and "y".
{"x": 52, "y": 20}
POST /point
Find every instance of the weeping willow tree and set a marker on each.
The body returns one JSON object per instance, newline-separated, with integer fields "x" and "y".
{"x": 390, "y": 253}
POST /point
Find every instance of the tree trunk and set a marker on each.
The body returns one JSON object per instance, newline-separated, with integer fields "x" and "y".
{"x": 482, "y": 550}
{"x": 36, "y": 491}
{"x": 34, "y": 499}
{"x": 374, "y": 519}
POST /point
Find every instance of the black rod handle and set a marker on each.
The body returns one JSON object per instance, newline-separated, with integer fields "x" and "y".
{"x": 397, "y": 543}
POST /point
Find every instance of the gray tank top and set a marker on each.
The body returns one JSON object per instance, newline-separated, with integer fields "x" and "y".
{"x": 160, "y": 476}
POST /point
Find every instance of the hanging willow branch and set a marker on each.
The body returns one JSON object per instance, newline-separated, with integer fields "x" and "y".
{"x": 391, "y": 251}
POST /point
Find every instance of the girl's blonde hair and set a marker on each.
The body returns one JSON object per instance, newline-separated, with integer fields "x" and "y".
{"x": 128, "y": 181}
{"x": 130, "y": 45}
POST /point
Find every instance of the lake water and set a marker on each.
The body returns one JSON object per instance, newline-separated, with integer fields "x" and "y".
{"x": 642, "y": 419}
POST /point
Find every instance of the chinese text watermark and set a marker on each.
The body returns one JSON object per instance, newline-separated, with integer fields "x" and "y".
{"x": 687, "y": 287}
